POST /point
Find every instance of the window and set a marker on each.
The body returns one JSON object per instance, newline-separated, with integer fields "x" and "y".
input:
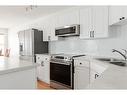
{"x": 2, "y": 44}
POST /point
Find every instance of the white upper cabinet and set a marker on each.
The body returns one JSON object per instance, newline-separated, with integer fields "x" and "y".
{"x": 53, "y": 23}
{"x": 49, "y": 29}
{"x": 94, "y": 22}
{"x": 117, "y": 15}
{"x": 46, "y": 30}
{"x": 100, "y": 21}
{"x": 114, "y": 14}
{"x": 124, "y": 12}
{"x": 68, "y": 17}
{"x": 61, "y": 19}
{"x": 85, "y": 22}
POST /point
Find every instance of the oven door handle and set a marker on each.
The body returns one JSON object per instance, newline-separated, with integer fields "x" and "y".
{"x": 60, "y": 63}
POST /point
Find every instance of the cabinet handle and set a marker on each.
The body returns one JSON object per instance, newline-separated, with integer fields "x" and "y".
{"x": 120, "y": 18}
{"x": 93, "y": 34}
{"x": 123, "y": 17}
{"x": 96, "y": 75}
{"x": 42, "y": 63}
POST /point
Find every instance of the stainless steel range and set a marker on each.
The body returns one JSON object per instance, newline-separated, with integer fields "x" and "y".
{"x": 61, "y": 70}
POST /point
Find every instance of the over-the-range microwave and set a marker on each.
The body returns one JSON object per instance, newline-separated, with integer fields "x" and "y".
{"x": 69, "y": 30}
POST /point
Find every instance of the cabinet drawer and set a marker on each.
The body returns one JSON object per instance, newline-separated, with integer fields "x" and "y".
{"x": 81, "y": 63}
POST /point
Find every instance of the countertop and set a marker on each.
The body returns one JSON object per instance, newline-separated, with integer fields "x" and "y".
{"x": 112, "y": 77}
{"x": 14, "y": 64}
{"x": 44, "y": 54}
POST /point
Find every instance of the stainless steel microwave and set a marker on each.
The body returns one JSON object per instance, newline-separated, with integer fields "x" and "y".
{"x": 69, "y": 30}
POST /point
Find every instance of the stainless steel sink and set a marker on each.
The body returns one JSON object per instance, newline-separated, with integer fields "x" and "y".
{"x": 113, "y": 61}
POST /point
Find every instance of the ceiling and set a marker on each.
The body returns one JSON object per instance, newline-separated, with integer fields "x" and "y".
{"x": 15, "y": 15}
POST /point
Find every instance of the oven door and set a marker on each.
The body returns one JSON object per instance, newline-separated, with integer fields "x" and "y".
{"x": 60, "y": 75}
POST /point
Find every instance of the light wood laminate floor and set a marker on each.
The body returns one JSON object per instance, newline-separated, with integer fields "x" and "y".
{"x": 43, "y": 86}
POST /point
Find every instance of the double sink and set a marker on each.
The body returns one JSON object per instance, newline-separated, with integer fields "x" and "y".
{"x": 113, "y": 61}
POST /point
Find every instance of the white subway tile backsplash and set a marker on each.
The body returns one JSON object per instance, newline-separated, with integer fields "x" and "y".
{"x": 117, "y": 40}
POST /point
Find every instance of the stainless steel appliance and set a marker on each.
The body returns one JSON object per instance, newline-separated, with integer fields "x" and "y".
{"x": 31, "y": 43}
{"x": 71, "y": 30}
{"x": 62, "y": 70}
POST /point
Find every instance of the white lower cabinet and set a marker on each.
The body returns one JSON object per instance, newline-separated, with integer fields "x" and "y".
{"x": 86, "y": 72}
{"x": 43, "y": 73}
{"x": 93, "y": 76}
{"x": 96, "y": 69}
{"x": 81, "y": 74}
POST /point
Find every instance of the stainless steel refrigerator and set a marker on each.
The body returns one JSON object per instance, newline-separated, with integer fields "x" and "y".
{"x": 31, "y": 43}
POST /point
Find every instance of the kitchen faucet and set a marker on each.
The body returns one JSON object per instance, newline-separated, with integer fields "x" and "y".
{"x": 124, "y": 55}
{"x": 125, "y": 52}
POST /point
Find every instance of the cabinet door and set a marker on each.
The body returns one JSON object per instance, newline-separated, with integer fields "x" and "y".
{"x": 93, "y": 76}
{"x": 115, "y": 13}
{"x": 81, "y": 77}
{"x": 68, "y": 18}
{"x": 100, "y": 21}
{"x": 46, "y": 30}
{"x": 43, "y": 70}
{"x": 47, "y": 71}
{"x": 52, "y": 25}
{"x": 85, "y": 22}
{"x": 49, "y": 26}
{"x": 124, "y": 12}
